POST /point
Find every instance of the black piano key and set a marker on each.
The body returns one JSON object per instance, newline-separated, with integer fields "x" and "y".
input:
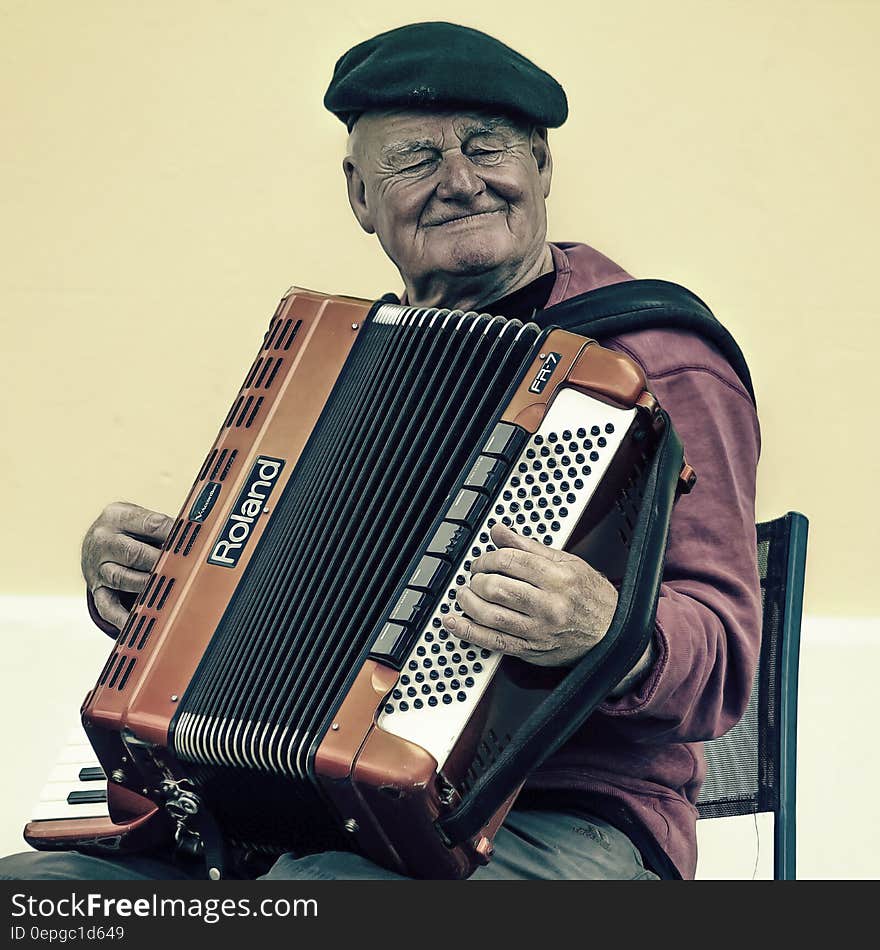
{"x": 486, "y": 475}
{"x": 90, "y": 796}
{"x": 91, "y": 774}
{"x": 506, "y": 441}
{"x": 467, "y": 508}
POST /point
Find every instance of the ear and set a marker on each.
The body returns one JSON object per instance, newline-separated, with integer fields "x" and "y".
{"x": 357, "y": 194}
{"x": 542, "y": 156}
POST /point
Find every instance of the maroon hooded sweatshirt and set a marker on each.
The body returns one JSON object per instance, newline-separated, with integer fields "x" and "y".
{"x": 638, "y": 760}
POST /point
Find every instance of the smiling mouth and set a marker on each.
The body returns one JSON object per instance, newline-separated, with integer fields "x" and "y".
{"x": 463, "y": 218}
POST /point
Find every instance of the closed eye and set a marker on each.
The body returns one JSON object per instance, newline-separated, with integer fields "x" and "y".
{"x": 486, "y": 154}
{"x": 414, "y": 166}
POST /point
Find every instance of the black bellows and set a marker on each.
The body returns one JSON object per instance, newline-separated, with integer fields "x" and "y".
{"x": 411, "y": 405}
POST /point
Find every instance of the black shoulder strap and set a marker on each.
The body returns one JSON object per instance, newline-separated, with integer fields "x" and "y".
{"x": 644, "y": 305}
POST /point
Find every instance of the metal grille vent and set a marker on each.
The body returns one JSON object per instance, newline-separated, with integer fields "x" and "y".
{"x": 244, "y": 411}
{"x": 218, "y": 464}
{"x": 181, "y": 542}
{"x": 156, "y": 592}
{"x": 173, "y": 534}
{"x": 136, "y": 631}
{"x": 263, "y": 372}
{"x": 187, "y": 538}
{"x": 281, "y": 334}
{"x": 118, "y": 669}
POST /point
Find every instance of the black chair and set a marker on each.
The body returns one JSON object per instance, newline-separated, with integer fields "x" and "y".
{"x": 753, "y": 767}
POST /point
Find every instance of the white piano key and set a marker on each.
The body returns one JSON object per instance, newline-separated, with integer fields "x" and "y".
{"x": 53, "y": 811}
{"x": 58, "y": 791}
{"x": 78, "y": 753}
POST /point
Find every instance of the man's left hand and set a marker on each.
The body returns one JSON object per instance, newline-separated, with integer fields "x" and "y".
{"x": 532, "y": 601}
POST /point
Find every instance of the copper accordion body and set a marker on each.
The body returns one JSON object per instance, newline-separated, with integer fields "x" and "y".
{"x": 285, "y": 670}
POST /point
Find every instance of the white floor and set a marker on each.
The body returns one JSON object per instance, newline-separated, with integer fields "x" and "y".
{"x": 52, "y": 655}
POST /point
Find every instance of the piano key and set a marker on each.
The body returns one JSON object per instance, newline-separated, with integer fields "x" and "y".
{"x": 78, "y": 753}
{"x": 89, "y": 796}
{"x": 59, "y": 791}
{"x": 53, "y": 811}
{"x": 87, "y": 771}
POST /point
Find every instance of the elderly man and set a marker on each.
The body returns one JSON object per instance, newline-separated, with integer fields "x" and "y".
{"x": 449, "y": 165}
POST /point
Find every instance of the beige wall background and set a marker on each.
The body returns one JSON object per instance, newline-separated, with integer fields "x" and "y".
{"x": 167, "y": 171}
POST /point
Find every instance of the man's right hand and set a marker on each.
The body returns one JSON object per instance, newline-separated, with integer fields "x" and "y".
{"x": 118, "y": 553}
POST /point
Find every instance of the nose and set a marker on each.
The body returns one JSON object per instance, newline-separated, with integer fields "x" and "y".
{"x": 458, "y": 179}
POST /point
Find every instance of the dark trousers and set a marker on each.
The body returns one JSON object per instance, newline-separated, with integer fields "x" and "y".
{"x": 531, "y": 845}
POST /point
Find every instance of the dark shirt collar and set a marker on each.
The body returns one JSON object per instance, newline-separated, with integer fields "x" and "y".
{"x": 523, "y": 303}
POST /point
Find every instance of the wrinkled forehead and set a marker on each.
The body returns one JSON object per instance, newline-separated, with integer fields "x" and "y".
{"x": 376, "y": 133}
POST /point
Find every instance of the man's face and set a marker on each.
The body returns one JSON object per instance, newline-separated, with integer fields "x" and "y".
{"x": 457, "y": 194}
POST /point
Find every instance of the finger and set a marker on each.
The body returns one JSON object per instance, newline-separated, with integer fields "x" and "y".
{"x": 138, "y": 521}
{"x": 486, "y": 637}
{"x": 520, "y": 565}
{"x": 491, "y": 615}
{"x": 508, "y": 592}
{"x": 120, "y": 578}
{"x": 505, "y": 537}
{"x": 108, "y": 606}
{"x": 104, "y": 545}
{"x": 130, "y": 552}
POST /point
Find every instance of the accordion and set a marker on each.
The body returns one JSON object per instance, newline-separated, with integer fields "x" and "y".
{"x": 284, "y": 682}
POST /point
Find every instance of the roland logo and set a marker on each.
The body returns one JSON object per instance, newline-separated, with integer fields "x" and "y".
{"x": 248, "y": 507}
{"x": 545, "y": 372}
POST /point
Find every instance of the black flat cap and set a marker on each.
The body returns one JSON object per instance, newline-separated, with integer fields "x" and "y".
{"x": 442, "y": 66}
